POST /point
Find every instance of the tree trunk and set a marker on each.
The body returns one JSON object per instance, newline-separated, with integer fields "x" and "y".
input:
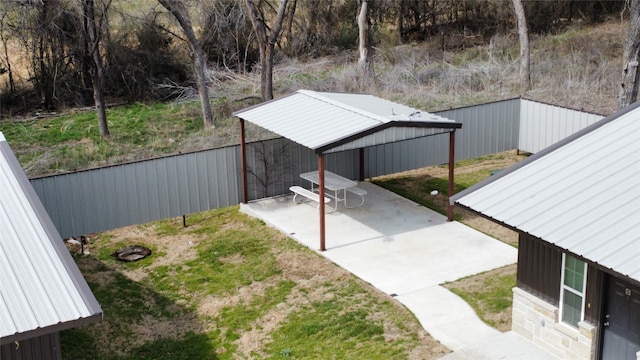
{"x": 365, "y": 61}
{"x": 43, "y": 73}
{"x": 5, "y": 48}
{"x": 629, "y": 86}
{"x": 97, "y": 72}
{"x": 180, "y": 12}
{"x": 525, "y": 55}
{"x": 266, "y": 43}
{"x": 199, "y": 64}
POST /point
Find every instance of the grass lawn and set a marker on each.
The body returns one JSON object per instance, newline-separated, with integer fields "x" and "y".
{"x": 227, "y": 286}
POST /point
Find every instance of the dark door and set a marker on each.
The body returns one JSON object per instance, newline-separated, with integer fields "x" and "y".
{"x": 622, "y": 321}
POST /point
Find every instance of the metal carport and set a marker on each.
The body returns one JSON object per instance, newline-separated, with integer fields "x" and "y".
{"x": 329, "y": 122}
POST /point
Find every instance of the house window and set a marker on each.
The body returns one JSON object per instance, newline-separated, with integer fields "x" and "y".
{"x": 572, "y": 292}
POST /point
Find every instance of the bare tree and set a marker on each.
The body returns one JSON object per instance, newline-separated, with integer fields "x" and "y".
{"x": 4, "y": 37}
{"x": 181, "y": 14}
{"x": 525, "y": 54}
{"x": 267, "y": 38}
{"x": 629, "y": 86}
{"x": 93, "y": 29}
{"x": 270, "y": 164}
{"x": 365, "y": 61}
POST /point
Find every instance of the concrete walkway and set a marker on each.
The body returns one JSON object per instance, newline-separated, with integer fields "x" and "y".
{"x": 406, "y": 251}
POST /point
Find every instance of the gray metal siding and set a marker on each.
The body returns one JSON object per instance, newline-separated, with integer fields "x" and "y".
{"x": 45, "y": 347}
{"x": 543, "y": 125}
{"x": 486, "y": 129}
{"x": 115, "y": 196}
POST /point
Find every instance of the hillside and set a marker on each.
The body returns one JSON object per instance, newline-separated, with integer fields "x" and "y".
{"x": 578, "y": 68}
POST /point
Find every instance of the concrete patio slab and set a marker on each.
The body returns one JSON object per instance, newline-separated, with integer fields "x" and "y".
{"x": 403, "y": 249}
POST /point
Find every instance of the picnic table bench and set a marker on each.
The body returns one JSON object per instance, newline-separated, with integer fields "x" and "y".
{"x": 299, "y": 190}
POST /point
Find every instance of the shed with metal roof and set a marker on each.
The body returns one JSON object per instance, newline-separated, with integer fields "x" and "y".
{"x": 41, "y": 288}
{"x": 328, "y": 122}
{"x": 578, "y": 199}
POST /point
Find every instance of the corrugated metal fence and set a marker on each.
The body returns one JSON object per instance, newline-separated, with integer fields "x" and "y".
{"x": 542, "y": 124}
{"x": 100, "y": 199}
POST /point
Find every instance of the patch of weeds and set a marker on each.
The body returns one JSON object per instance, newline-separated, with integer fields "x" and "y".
{"x": 78, "y": 344}
{"x": 314, "y": 332}
{"x": 168, "y": 227}
{"x": 210, "y": 273}
{"x": 286, "y": 352}
{"x": 192, "y": 346}
{"x": 130, "y": 300}
{"x": 209, "y": 222}
{"x": 240, "y": 317}
{"x": 346, "y": 319}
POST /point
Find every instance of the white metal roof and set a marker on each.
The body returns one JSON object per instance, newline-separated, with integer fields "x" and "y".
{"x": 581, "y": 194}
{"x": 41, "y": 288}
{"x": 329, "y": 122}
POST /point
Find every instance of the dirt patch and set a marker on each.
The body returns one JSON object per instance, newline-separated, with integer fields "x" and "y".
{"x": 211, "y": 306}
{"x": 151, "y": 328}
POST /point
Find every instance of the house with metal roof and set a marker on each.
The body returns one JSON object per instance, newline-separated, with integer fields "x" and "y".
{"x": 329, "y": 122}
{"x": 576, "y": 207}
{"x": 41, "y": 288}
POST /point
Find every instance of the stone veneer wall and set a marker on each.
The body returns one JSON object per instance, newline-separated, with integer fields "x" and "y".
{"x": 538, "y": 321}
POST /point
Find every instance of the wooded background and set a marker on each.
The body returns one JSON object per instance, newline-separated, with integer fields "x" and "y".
{"x": 54, "y": 52}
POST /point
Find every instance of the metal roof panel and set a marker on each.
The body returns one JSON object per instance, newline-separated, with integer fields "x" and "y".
{"x": 41, "y": 288}
{"x": 582, "y": 194}
{"x": 319, "y": 120}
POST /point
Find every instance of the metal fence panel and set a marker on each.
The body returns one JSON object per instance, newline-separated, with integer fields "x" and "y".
{"x": 106, "y": 198}
{"x": 543, "y": 125}
{"x": 486, "y": 129}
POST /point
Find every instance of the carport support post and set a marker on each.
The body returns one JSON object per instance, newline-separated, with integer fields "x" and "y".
{"x": 452, "y": 146}
{"x": 321, "y": 193}
{"x": 361, "y": 169}
{"x": 243, "y": 163}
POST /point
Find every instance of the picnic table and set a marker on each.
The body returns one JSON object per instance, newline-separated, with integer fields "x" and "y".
{"x": 337, "y": 185}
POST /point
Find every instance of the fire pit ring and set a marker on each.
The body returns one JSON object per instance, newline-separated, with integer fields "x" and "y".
{"x": 132, "y": 253}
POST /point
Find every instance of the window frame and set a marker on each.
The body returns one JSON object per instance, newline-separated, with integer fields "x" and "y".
{"x": 564, "y": 287}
